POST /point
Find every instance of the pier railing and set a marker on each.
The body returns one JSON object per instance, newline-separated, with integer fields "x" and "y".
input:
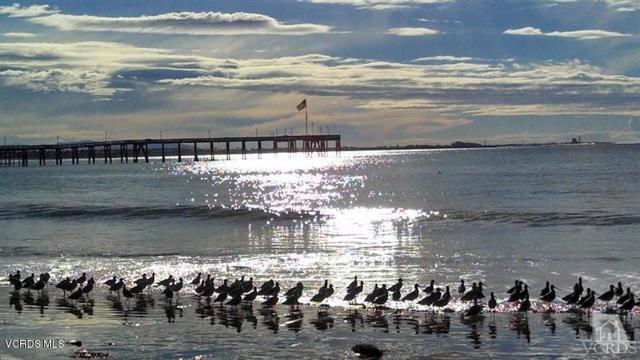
{"x": 19, "y": 155}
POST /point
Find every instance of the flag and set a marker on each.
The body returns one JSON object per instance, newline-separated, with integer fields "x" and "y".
{"x": 302, "y": 105}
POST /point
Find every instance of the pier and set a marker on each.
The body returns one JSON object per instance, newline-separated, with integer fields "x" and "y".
{"x": 137, "y": 150}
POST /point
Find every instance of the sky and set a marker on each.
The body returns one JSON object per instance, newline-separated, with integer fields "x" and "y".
{"x": 379, "y": 72}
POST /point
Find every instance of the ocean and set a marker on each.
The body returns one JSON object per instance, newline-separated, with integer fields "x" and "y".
{"x": 491, "y": 214}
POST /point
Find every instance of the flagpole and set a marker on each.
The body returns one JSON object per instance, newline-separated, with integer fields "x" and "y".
{"x": 306, "y": 118}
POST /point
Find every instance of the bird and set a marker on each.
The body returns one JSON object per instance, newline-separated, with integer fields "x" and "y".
{"x": 525, "y": 292}
{"x": 292, "y": 299}
{"x": 579, "y": 285}
{"x": 431, "y": 298}
{"x": 461, "y": 288}
{"x": 549, "y": 296}
{"x": 168, "y": 294}
{"x": 81, "y": 279}
{"x": 177, "y": 287}
{"x": 629, "y": 304}
{"x": 492, "y": 302}
{"x": 221, "y": 298}
{"x": 111, "y": 281}
{"x": 545, "y": 289}
{"x": 247, "y": 285}
{"x": 39, "y": 285}
{"x": 322, "y": 294}
{"x": 270, "y": 302}
{"x": 396, "y": 295}
{"x": 515, "y": 288}
{"x": 571, "y": 298}
{"x": 224, "y": 288}
{"x": 516, "y": 293}
{"x": 76, "y": 294}
{"x": 166, "y": 282}
{"x": 479, "y": 293}
{"x": 382, "y": 299}
{"x": 275, "y": 290}
{"x": 429, "y": 289}
{"x": 475, "y": 309}
{"x": 619, "y": 289}
{"x": 525, "y": 305}
{"x": 471, "y": 294}
{"x": 235, "y": 300}
{"x": 196, "y": 281}
{"x": 589, "y": 301}
{"x": 353, "y": 293}
{"x": 412, "y": 295}
{"x": 584, "y": 298}
{"x": 142, "y": 281}
{"x": 250, "y": 297}
{"x": 608, "y": 295}
{"x": 89, "y": 287}
{"x": 621, "y": 299}
{"x": 117, "y": 286}
{"x": 396, "y": 286}
{"x": 126, "y": 293}
{"x": 151, "y": 280}
{"x": 294, "y": 290}
{"x": 372, "y": 295}
{"x": 266, "y": 287}
{"x": 71, "y": 286}
{"x": 353, "y": 284}
{"x": 28, "y": 282}
{"x": 15, "y": 281}
{"x": 444, "y": 299}
{"x": 139, "y": 287}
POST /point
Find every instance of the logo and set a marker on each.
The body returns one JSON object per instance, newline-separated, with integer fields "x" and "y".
{"x": 609, "y": 337}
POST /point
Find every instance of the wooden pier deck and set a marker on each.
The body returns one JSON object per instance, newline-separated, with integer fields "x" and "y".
{"x": 19, "y": 155}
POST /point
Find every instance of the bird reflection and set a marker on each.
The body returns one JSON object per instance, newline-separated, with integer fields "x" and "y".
{"x": 323, "y": 322}
{"x": 579, "y": 323}
{"x": 520, "y": 324}
{"x": 295, "y": 322}
{"x": 15, "y": 301}
{"x": 549, "y": 321}
{"x": 353, "y": 317}
{"x": 474, "y": 323}
{"x": 270, "y": 319}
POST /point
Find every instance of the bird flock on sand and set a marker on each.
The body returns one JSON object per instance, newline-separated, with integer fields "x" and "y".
{"x": 243, "y": 291}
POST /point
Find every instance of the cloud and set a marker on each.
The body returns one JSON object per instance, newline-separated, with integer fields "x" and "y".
{"x": 578, "y": 34}
{"x": 455, "y": 87}
{"x": 183, "y": 23}
{"x": 624, "y": 5}
{"x": 18, "y": 35}
{"x": 18, "y": 11}
{"x": 379, "y": 4}
{"x": 412, "y": 31}
{"x": 443, "y": 58}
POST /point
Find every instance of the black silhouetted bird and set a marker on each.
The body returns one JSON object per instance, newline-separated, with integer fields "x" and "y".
{"x": 444, "y": 299}
{"x": 372, "y": 295}
{"x": 429, "y": 289}
{"x": 196, "y": 281}
{"x": 525, "y": 305}
{"x": 412, "y": 295}
{"x": 492, "y": 302}
{"x": 250, "y": 297}
{"x": 475, "y": 309}
{"x": 431, "y": 298}
{"x": 397, "y": 286}
{"x": 353, "y": 284}
{"x": 608, "y": 295}
{"x": 517, "y": 287}
{"x": 545, "y": 289}
{"x": 621, "y": 299}
{"x": 462, "y": 289}
{"x": 353, "y": 293}
{"x": 270, "y": 302}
